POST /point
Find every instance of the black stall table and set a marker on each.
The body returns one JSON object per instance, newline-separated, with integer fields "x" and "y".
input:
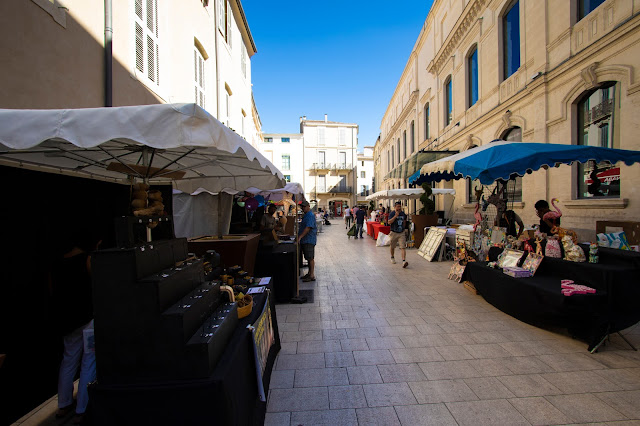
{"x": 279, "y": 263}
{"x": 230, "y": 396}
{"x": 538, "y": 300}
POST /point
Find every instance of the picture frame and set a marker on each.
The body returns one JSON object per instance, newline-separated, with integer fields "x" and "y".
{"x": 456, "y": 272}
{"x": 432, "y": 243}
{"x": 509, "y": 258}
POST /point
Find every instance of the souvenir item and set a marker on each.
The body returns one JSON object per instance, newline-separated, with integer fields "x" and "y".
{"x": 568, "y": 288}
{"x": 572, "y": 252}
{"x": 593, "y": 253}
{"x": 553, "y": 248}
{"x": 457, "y": 269}
{"x": 498, "y": 236}
{"x": 532, "y": 262}
{"x": 509, "y": 258}
{"x": 516, "y": 272}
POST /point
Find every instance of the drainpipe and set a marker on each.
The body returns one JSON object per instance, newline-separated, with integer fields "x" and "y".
{"x": 216, "y": 13}
{"x": 108, "y": 55}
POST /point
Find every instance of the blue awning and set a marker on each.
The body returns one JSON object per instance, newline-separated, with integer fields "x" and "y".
{"x": 502, "y": 160}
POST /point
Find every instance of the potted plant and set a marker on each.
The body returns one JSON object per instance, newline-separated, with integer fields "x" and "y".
{"x": 426, "y": 215}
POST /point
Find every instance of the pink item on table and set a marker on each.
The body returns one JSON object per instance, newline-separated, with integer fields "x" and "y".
{"x": 568, "y": 287}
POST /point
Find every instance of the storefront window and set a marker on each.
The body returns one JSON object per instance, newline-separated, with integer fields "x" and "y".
{"x": 598, "y": 125}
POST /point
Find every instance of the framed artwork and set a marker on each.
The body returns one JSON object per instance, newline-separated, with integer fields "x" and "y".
{"x": 509, "y": 258}
{"x": 432, "y": 243}
{"x": 532, "y": 262}
{"x": 457, "y": 269}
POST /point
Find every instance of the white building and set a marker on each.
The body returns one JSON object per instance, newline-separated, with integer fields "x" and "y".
{"x": 330, "y": 163}
{"x": 167, "y": 51}
{"x": 364, "y": 170}
{"x": 285, "y": 151}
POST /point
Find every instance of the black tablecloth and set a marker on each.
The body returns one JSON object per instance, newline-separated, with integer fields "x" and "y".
{"x": 538, "y": 300}
{"x": 279, "y": 263}
{"x": 228, "y": 397}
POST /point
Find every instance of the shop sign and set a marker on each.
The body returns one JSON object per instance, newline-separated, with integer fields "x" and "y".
{"x": 606, "y": 177}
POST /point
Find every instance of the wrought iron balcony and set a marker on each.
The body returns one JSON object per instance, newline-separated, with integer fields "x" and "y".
{"x": 337, "y": 189}
{"x": 599, "y": 112}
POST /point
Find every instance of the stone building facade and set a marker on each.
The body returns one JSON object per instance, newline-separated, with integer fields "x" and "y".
{"x": 524, "y": 70}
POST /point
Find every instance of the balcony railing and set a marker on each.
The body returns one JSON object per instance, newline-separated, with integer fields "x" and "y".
{"x": 364, "y": 193}
{"x": 320, "y": 166}
{"x": 342, "y": 166}
{"x": 337, "y": 189}
{"x": 603, "y": 110}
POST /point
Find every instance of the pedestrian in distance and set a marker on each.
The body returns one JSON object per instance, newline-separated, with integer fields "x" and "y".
{"x": 347, "y": 217}
{"x": 397, "y": 223}
{"x": 360, "y": 216}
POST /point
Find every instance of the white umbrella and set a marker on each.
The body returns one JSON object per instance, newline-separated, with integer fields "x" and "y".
{"x": 408, "y": 193}
{"x": 157, "y": 143}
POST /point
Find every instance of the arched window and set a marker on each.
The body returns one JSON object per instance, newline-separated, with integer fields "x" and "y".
{"x": 448, "y": 101}
{"x": 598, "y": 121}
{"x": 427, "y": 118}
{"x": 511, "y": 40}
{"x": 472, "y": 75}
{"x": 398, "y": 150}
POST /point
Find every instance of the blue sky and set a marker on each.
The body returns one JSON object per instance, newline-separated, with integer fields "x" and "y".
{"x": 341, "y": 58}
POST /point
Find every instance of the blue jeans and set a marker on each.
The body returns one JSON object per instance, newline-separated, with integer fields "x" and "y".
{"x": 359, "y": 229}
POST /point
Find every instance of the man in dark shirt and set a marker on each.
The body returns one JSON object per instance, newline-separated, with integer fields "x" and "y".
{"x": 360, "y": 215}
{"x": 397, "y": 221}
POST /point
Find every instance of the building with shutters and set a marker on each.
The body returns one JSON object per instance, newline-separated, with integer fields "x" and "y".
{"x": 172, "y": 51}
{"x": 285, "y": 151}
{"x": 364, "y": 171}
{"x": 522, "y": 70}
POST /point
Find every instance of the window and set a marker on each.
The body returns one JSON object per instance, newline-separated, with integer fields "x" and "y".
{"x": 285, "y": 140}
{"x": 427, "y": 118}
{"x": 392, "y": 160}
{"x": 413, "y": 136}
{"x": 287, "y": 178}
{"x": 147, "y": 47}
{"x": 224, "y": 20}
{"x": 404, "y": 144}
{"x": 598, "y": 119}
{"x": 321, "y": 141}
{"x": 243, "y": 116}
{"x": 448, "y": 102}
{"x": 363, "y": 174}
{"x": 472, "y": 69}
{"x": 343, "y": 160}
{"x": 268, "y": 140}
{"x": 243, "y": 60}
{"x": 585, "y": 7}
{"x": 322, "y": 183}
{"x": 199, "y": 67}
{"x": 363, "y": 164}
{"x": 388, "y": 162}
{"x": 342, "y": 139}
{"x": 286, "y": 162}
{"x": 511, "y": 40}
{"x": 228, "y": 109}
{"x": 398, "y": 150}
{"x": 321, "y": 159}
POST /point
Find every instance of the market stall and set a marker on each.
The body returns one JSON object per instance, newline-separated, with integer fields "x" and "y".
{"x": 546, "y": 280}
{"x": 122, "y": 149}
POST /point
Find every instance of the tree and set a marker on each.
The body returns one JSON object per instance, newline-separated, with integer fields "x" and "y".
{"x": 428, "y": 205}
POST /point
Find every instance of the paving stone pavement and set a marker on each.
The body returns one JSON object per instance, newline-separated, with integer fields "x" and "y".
{"x": 391, "y": 346}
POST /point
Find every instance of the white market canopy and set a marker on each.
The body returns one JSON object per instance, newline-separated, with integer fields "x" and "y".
{"x": 179, "y": 143}
{"x": 277, "y": 194}
{"x": 407, "y": 193}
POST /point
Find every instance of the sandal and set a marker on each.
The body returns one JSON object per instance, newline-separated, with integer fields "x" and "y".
{"x": 308, "y": 279}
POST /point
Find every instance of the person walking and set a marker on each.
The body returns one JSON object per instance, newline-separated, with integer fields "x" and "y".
{"x": 307, "y": 240}
{"x": 73, "y": 301}
{"x": 397, "y": 221}
{"x": 347, "y": 217}
{"x": 360, "y": 216}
